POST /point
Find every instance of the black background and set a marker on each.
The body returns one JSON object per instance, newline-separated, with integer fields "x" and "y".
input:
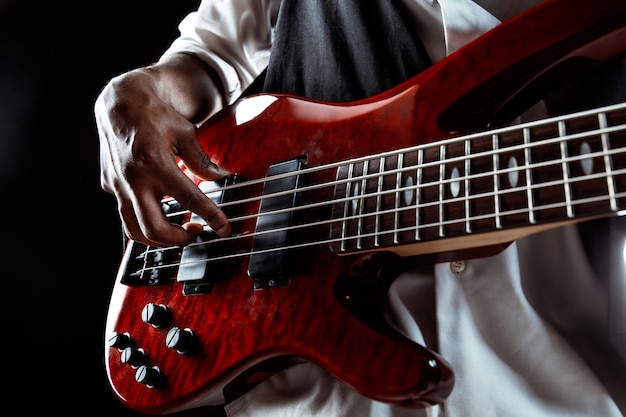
{"x": 60, "y": 232}
{"x": 61, "y": 236}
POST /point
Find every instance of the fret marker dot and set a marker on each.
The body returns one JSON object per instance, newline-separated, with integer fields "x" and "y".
{"x": 355, "y": 201}
{"x": 408, "y": 193}
{"x": 514, "y": 174}
{"x": 455, "y": 186}
{"x": 587, "y": 163}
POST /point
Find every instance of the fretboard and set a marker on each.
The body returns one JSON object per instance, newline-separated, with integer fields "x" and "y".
{"x": 504, "y": 183}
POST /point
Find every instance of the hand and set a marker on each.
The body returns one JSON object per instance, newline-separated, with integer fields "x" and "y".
{"x": 142, "y": 135}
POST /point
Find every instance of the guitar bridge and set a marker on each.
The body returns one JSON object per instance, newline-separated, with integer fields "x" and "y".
{"x": 145, "y": 265}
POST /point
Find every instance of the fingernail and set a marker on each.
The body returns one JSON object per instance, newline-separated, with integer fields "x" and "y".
{"x": 194, "y": 228}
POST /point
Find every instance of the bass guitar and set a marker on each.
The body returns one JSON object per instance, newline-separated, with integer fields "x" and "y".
{"x": 330, "y": 200}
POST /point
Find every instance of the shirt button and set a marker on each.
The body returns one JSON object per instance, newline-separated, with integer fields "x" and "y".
{"x": 457, "y": 267}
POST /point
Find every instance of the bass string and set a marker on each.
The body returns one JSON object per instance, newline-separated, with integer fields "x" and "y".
{"x": 416, "y": 188}
{"x": 603, "y": 130}
{"x": 357, "y": 217}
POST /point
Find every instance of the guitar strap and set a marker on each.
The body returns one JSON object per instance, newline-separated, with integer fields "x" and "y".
{"x": 343, "y": 50}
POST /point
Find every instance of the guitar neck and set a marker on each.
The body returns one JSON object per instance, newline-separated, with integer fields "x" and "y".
{"x": 485, "y": 188}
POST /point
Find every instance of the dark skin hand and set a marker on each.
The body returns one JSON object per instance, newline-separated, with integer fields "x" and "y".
{"x": 146, "y": 121}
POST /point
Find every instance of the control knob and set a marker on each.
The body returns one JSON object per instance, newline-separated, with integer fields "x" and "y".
{"x": 121, "y": 341}
{"x": 134, "y": 357}
{"x": 151, "y": 376}
{"x": 158, "y": 315}
{"x": 182, "y": 340}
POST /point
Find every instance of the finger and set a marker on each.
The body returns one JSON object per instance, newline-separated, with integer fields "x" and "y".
{"x": 155, "y": 225}
{"x": 193, "y": 199}
{"x": 130, "y": 224}
{"x": 198, "y": 161}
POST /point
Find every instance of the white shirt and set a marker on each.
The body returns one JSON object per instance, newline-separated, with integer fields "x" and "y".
{"x": 235, "y": 36}
{"x": 489, "y": 320}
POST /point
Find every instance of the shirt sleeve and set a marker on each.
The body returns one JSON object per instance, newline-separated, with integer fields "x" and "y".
{"x": 232, "y": 36}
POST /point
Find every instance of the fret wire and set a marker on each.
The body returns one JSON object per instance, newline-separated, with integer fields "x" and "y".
{"x": 361, "y": 204}
{"x": 496, "y": 188}
{"x": 513, "y": 212}
{"x": 381, "y": 171}
{"x": 543, "y": 185}
{"x": 608, "y": 166}
{"x": 502, "y": 213}
{"x": 418, "y": 191}
{"x": 502, "y": 171}
{"x": 346, "y": 207}
{"x": 396, "y": 218}
{"x": 532, "y": 187}
{"x": 529, "y": 178}
{"x": 442, "y": 174}
{"x": 468, "y": 224}
{"x": 565, "y": 169}
{"x": 490, "y": 194}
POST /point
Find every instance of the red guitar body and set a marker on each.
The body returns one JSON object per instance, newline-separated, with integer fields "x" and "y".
{"x": 332, "y": 311}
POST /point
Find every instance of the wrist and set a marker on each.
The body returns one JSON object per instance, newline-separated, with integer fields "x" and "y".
{"x": 189, "y": 85}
